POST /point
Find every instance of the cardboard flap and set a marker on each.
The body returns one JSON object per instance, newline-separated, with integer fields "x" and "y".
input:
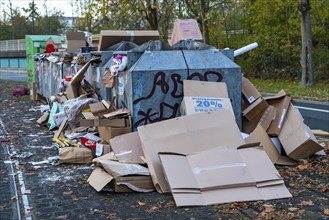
{"x": 61, "y": 128}
{"x": 256, "y": 108}
{"x": 128, "y": 148}
{"x": 121, "y": 169}
{"x": 260, "y": 135}
{"x": 97, "y": 107}
{"x": 75, "y": 36}
{"x": 279, "y": 95}
{"x": 249, "y": 91}
{"x": 205, "y": 89}
{"x": 119, "y": 112}
{"x": 99, "y": 179}
{"x": 259, "y": 164}
{"x": 187, "y": 134}
{"x": 111, "y": 37}
{"x": 201, "y": 170}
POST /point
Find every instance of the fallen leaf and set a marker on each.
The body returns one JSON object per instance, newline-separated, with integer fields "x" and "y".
{"x": 68, "y": 193}
{"x": 27, "y": 191}
{"x": 141, "y": 203}
{"x": 13, "y": 198}
{"x": 303, "y": 166}
{"x": 292, "y": 209}
{"x": 268, "y": 208}
{"x": 307, "y": 203}
{"x": 326, "y": 211}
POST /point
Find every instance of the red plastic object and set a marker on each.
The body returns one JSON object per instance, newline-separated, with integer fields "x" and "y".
{"x": 89, "y": 143}
{"x": 20, "y": 91}
{"x": 4, "y": 140}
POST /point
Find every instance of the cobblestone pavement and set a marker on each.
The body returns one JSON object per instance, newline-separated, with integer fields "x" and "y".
{"x": 61, "y": 192}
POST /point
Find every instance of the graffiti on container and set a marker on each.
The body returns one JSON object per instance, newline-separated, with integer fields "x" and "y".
{"x": 161, "y": 83}
{"x": 207, "y": 76}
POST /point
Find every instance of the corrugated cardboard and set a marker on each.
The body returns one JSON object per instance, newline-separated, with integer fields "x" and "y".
{"x": 59, "y": 133}
{"x": 264, "y": 118}
{"x": 281, "y": 102}
{"x": 200, "y": 96}
{"x": 42, "y": 121}
{"x": 100, "y": 180}
{"x": 106, "y": 133}
{"x": 257, "y": 107}
{"x": 260, "y": 135}
{"x": 74, "y": 89}
{"x": 222, "y": 175}
{"x": 75, "y": 155}
{"x": 111, "y": 37}
{"x": 185, "y": 30}
{"x": 96, "y": 121}
{"x": 249, "y": 91}
{"x": 128, "y": 148}
{"x": 75, "y": 40}
{"x": 296, "y": 138}
{"x": 205, "y": 89}
{"x": 186, "y": 134}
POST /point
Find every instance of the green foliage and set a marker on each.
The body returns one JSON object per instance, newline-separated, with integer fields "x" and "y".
{"x": 320, "y": 91}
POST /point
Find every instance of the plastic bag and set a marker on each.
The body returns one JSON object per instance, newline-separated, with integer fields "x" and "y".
{"x": 73, "y": 109}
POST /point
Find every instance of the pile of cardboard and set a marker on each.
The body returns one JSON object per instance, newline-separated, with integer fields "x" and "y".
{"x": 274, "y": 119}
{"x": 202, "y": 158}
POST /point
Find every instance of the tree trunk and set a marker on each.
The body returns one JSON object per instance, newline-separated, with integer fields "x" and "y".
{"x": 306, "y": 55}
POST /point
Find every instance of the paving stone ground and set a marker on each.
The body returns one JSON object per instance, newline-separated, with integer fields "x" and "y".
{"x": 61, "y": 192}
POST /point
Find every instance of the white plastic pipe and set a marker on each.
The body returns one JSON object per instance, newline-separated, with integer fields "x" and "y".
{"x": 245, "y": 49}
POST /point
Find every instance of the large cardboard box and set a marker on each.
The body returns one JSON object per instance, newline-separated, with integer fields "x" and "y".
{"x": 200, "y": 96}
{"x": 111, "y": 37}
{"x": 260, "y": 135}
{"x": 106, "y": 133}
{"x": 185, "y": 30}
{"x": 221, "y": 175}
{"x": 186, "y": 134}
{"x": 249, "y": 91}
{"x": 281, "y": 102}
{"x": 296, "y": 138}
{"x": 127, "y": 148}
{"x": 74, "y": 41}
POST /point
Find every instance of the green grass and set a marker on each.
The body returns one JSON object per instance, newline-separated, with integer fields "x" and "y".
{"x": 318, "y": 92}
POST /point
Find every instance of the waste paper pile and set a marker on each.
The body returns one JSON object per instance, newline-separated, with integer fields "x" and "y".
{"x": 218, "y": 145}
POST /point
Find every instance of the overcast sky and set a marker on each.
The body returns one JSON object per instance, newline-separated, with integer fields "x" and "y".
{"x": 63, "y": 5}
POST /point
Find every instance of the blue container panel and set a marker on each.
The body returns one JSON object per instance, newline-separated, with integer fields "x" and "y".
{"x": 22, "y": 63}
{"x": 4, "y": 63}
{"x": 13, "y": 63}
{"x": 154, "y": 87}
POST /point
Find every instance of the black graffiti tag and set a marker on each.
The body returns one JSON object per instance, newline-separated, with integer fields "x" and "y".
{"x": 206, "y": 76}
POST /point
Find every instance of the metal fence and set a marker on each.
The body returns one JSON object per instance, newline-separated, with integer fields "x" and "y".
{"x": 12, "y": 45}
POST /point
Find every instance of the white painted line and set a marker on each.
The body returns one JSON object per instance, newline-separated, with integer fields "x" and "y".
{"x": 25, "y": 200}
{"x": 11, "y": 168}
{"x": 312, "y": 109}
{"x": 27, "y": 208}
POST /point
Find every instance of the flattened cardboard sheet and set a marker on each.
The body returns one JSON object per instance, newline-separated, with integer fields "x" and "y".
{"x": 187, "y": 134}
{"x": 128, "y": 148}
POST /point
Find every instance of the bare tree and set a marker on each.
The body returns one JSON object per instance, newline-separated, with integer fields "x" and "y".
{"x": 306, "y": 55}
